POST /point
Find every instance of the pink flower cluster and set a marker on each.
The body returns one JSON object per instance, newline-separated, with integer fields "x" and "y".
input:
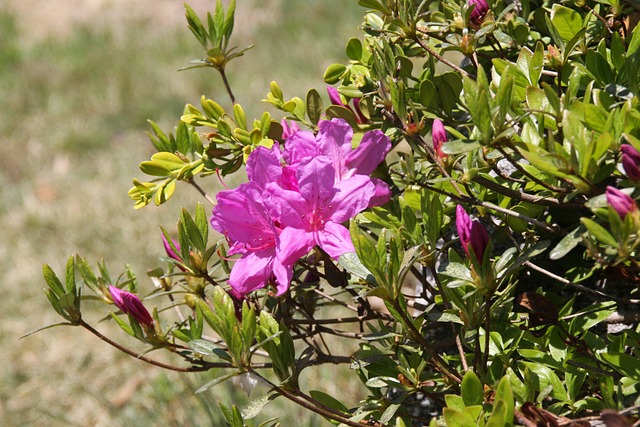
{"x": 296, "y": 198}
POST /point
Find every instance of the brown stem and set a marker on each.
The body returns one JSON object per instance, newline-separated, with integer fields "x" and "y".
{"x": 146, "y": 359}
{"x": 308, "y": 403}
{"x": 201, "y": 191}
{"x": 578, "y": 286}
{"x": 440, "y": 57}
{"x": 226, "y": 85}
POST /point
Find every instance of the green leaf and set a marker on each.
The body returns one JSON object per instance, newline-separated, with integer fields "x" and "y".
{"x": 314, "y": 106}
{"x": 123, "y": 325}
{"x": 459, "y": 146}
{"x": 334, "y": 73}
{"x": 567, "y": 243}
{"x": 471, "y": 389}
{"x": 216, "y": 381}
{"x": 354, "y": 49}
{"x": 504, "y": 393}
{"x": 350, "y": 262}
{"x": 566, "y": 21}
{"x": 543, "y": 378}
{"x": 52, "y": 280}
{"x": 456, "y": 418}
{"x": 256, "y": 406}
{"x": 498, "y": 416}
{"x": 389, "y": 412}
{"x": 625, "y": 364}
{"x": 340, "y": 112}
{"x": 476, "y": 95}
{"x": 329, "y": 401}
{"x": 599, "y": 232}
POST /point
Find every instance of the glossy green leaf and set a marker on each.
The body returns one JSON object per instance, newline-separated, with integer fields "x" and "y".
{"x": 334, "y": 73}
{"x": 566, "y": 21}
{"x": 354, "y": 49}
{"x": 314, "y": 106}
{"x": 471, "y": 389}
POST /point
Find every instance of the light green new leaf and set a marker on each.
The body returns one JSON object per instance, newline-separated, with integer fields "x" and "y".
{"x": 566, "y": 21}
{"x": 471, "y": 389}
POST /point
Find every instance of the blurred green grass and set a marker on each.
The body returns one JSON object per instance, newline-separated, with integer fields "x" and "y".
{"x": 73, "y": 113}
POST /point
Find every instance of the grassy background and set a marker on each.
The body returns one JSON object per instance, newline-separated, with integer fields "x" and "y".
{"x": 77, "y": 82}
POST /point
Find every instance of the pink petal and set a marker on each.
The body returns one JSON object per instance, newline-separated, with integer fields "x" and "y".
{"x": 294, "y": 244}
{"x": 352, "y": 196}
{"x": 315, "y": 180}
{"x": 263, "y": 166}
{"x": 335, "y": 240}
{"x": 369, "y": 154}
{"x": 299, "y": 146}
{"x": 252, "y": 271}
{"x": 285, "y": 206}
{"x": 241, "y": 216}
{"x": 334, "y": 140}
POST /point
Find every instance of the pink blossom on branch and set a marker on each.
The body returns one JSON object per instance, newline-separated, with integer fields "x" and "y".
{"x": 439, "y": 137}
{"x": 620, "y": 201}
{"x": 242, "y": 218}
{"x": 130, "y": 304}
{"x": 313, "y": 215}
{"x": 473, "y": 235}
{"x": 297, "y": 198}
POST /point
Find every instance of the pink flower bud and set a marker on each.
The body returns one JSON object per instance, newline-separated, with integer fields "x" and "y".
{"x": 631, "y": 162}
{"x": 129, "y": 303}
{"x": 479, "y": 11}
{"x": 439, "y": 137}
{"x": 167, "y": 247}
{"x": 620, "y": 201}
{"x": 473, "y": 235}
{"x": 170, "y": 252}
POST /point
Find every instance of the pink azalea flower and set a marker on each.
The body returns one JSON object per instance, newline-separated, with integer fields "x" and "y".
{"x": 439, "y": 137}
{"x": 631, "y": 162}
{"x": 620, "y": 201}
{"x": 313, "y": 215}
{"x": 334, "y": 141}
{"x": 473, "y": 235}
{"x": 241, "y": 216}
{"x": 129, "y": 303}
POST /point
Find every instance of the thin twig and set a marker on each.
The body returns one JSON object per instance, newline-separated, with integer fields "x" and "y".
{"x": 201, "y": 191}
{"x": 440, "y": 57}
{"x": 314, "y": 406}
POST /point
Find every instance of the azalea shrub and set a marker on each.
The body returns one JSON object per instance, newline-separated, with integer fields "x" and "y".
{"x": 451, "y": 214}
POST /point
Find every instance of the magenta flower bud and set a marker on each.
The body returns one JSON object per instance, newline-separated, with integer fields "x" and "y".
{"x": 439, "y": 137}
{"x": 473, "y": 235}
{"x": 479, "y": 11}
{"x": 631, "y": 162}
{"x": 289, "y": 129}
{"x": 129, "y": 303}
{"x": 167, "y": 247}
{"x": 620, "y": 201}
